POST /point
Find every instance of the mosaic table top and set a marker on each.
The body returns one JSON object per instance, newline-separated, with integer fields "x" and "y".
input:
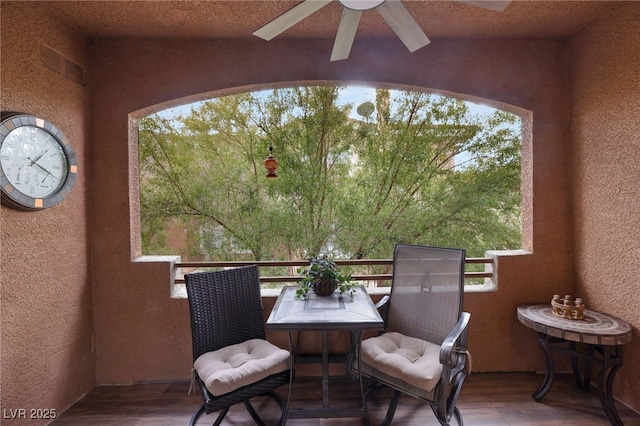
{"x": 596, "y": 328}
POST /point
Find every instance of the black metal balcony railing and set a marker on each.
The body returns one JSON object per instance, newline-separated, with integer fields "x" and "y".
{"x": 195, "y": 266}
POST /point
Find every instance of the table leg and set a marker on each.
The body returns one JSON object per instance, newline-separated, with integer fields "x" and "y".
{"x": 605, "y": 382}
{"x": 582, "y": 380}
{"x": 366, "y": 419}
{"x": 587, "y": 367}
{"x": 350, "y": 370}
{"x": 575, "y": 366}
{"x": 353, "y": 370}
{"x": 610, "y": 363}
{"x": 292, "y": 360}
{"x": 327, "y": 410}
{"x": 325, "y": 368}
{"x": 549, "y": 375}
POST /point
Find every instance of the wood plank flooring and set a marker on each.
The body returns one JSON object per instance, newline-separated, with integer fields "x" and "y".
{"x": 491, "y": 399}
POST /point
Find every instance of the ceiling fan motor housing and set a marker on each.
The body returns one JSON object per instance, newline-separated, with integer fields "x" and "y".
{"x": 361, "y": 4}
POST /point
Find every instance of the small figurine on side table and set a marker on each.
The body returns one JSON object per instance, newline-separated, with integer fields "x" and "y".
{"x": 567, "y": 308}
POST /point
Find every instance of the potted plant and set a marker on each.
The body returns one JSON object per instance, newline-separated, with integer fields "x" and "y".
{"x": 323, "y": 277}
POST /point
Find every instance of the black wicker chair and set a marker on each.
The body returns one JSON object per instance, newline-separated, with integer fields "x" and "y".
{"x": 423, "y": 352}
{"x": 226, "y": 314}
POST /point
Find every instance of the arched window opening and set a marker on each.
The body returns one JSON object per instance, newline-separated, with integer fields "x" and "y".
{"x": 360, "y": 169}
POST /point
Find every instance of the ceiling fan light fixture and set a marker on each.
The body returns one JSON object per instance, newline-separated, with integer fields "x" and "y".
{"x": 361, "y": 4}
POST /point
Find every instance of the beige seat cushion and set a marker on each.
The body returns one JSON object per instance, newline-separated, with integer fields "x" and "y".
{"x": 411, "y": 360}
{"x": 234, "y": 366}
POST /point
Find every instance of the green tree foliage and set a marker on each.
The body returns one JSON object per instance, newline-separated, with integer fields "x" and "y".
{"x": 349, "y": 188}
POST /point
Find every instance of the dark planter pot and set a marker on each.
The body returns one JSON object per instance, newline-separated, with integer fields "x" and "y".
{"x": 324, "y": 288}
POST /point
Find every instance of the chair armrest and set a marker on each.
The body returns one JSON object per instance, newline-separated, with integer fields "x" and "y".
{"x": 455, "y": 343}
{"x": 382, "y": 302}
{"x": 383, "y": 307}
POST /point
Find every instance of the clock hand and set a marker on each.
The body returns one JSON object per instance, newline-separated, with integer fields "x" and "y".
{"x": 42, "y": 168}
{"x": 38, "y": 157}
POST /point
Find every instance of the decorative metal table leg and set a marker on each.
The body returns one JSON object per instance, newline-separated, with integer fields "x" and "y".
{"x": 549, "y": 375}
{"x": 582, "y": 380}
{"x": 575, "y": 366}
{"x": 605, "y": 382}
{"x": 587, "y": 368}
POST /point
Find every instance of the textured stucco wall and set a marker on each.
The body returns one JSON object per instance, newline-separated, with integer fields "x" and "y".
{"x": 46, "y": 343}
{"x": 141, "y": 334}
{"x": 606, "y": 171}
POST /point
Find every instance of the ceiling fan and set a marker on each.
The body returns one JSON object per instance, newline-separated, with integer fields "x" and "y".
{"x": 393, "y": 11}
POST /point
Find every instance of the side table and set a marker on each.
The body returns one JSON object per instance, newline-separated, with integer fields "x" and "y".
{"x": 602, "y": 334}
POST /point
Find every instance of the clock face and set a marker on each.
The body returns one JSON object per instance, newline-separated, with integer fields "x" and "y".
{"x": 37, "y": 168}
{"x": 33, "y": 161}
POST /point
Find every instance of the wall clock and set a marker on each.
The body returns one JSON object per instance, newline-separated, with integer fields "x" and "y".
{"x": 37, "y": 165}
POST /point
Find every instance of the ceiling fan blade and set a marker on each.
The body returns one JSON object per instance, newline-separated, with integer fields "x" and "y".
{"x": 346, "y": 33}
{"x": 290, "y": 18}
{"x": 401, "y": 21}
{"x": 497, "y": 5}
